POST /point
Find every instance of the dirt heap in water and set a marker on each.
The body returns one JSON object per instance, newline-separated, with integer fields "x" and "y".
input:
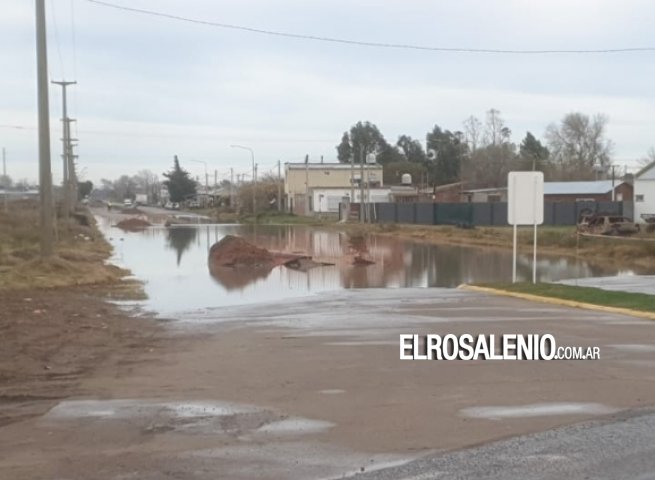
{"x": 133, "y": 224}
{"x": 233, "y": 251}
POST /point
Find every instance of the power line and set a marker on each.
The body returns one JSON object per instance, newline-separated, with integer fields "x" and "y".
{"x": 56, "y": 35}
{"x": 74, "y": 43}
{"x": 366, "y": 43}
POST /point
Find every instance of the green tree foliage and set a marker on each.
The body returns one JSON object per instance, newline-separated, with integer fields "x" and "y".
{"x": 179, "y": 183}
{"x": 393, "y": 172}
{"x": 532, "y": 154}
{"x": 578, "y": 146}
{"x": 344, "y": 149}
{"x": 84, "y": 188}
{"x": 411, "y": 150}
{"x": 448, "y": 150}
{"x": 364, "y": 138}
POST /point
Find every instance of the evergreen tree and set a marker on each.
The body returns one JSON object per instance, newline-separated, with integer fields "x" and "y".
{"x": 533, "y": 154}
{"x": 179, "y": 183}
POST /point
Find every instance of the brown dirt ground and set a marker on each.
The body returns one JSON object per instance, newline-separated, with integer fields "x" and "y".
{"x": 54, "y": 338}
{"x": 132, "y": 224}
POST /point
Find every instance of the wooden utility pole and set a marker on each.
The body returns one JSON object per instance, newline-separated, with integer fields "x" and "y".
{"x": 45, "y": 173}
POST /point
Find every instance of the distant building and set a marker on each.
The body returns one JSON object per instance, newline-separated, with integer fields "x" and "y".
{"x": 301, "y": 179}
{"x": 327, "y": 200}
{"x": 599, "y": 190}
{"x": 644, "y": 192}
{"x": 593, "y": 191}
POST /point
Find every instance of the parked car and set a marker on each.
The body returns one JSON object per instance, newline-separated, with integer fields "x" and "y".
{"x": 127, "y": 203}
{"x": 194, "y": 204}
{"x": 607, "y": 225}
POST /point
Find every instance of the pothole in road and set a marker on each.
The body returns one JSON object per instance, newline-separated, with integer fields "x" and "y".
{"x": 537, "y": 410}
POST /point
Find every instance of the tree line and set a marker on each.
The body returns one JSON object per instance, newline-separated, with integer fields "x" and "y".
{"x": 482, "y": 153}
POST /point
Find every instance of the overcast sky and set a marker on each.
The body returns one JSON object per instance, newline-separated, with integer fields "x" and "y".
{"x": 149, "y": 88}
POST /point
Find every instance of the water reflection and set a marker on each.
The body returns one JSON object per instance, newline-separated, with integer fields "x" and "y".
{"x": 238, "y": 278}
{"x": 180, "y": 239}
{"x": 189, "y": 284}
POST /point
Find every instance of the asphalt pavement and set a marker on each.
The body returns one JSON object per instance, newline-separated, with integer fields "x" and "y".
{"x": 620, "y": 447}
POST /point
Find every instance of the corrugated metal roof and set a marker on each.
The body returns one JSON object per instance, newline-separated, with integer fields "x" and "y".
{"x": 597, "y": 187}
{"x": 330, "y": 166}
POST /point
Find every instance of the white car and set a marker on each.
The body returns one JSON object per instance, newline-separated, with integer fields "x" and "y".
{"x": 127, "y": 203}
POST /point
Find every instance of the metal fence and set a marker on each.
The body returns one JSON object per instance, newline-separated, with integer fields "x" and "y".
{"x": 485, "y": 214}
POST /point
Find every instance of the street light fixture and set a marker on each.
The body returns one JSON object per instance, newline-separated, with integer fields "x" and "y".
{"x": 254, "y": 178}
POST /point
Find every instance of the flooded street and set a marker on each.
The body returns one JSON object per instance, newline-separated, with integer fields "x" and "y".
{"x": 174, "y": 260}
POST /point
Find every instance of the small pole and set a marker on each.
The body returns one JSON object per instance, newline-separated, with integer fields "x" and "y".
{"x": 515, "y": 231}
{"x": 514, "y": 257}
{"x": 534, "y": 239}
{"x": 279, "y": 185}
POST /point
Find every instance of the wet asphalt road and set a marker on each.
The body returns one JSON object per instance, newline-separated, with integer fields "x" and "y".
{"x": 620, "y": 447}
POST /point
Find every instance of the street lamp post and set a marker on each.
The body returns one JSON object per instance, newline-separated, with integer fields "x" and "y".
{"x": 206, "y": 178}
{"x": 254, "y": 178}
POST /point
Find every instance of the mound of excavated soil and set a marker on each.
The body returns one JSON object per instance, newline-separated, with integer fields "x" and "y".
{"x": 132, "y": 224}
{"x": 233, "y": 251}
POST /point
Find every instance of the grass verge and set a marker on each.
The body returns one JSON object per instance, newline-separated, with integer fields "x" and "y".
{"x": 551, "y": 240}
{"x": 80, "y": 256}
{"x": 595, "y": 296}
{"x": 283, "y": 218}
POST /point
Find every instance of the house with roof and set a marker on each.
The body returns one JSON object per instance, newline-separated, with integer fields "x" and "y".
{"x": 644, "y": 191}
{"x": 591, "y": 191}
{"x": 598, "y": 191}
{"x": 310, "y": 187}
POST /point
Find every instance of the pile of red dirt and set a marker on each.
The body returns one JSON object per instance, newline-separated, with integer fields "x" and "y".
{"x": 360, "y": 261}
{"x": 133, "y": 224}
{"x": 233, "y": 251}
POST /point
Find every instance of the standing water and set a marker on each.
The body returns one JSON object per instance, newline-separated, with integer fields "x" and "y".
{"x": 172, "y": 262}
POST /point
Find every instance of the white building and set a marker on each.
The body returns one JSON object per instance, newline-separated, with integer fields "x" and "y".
{"x": 326, "y": 200}
{"x": 645, "y": 192}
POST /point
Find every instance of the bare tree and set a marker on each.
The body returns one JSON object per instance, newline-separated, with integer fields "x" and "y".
{"x": 473, "y": 132}
{"x": 496, "y": 133}
{"x": 578, "y": 146}
{"x": 648, "y": 159}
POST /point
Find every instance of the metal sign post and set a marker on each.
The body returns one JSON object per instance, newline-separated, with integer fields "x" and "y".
{"x": 525, "y": 206}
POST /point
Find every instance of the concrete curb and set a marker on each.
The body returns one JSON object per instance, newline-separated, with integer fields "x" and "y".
{"x": 561, "y": 302}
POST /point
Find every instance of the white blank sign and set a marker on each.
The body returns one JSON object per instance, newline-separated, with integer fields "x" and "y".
{"x": 525, "y": 198}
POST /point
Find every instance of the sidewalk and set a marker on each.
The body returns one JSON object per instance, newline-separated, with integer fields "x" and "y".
{"x": 628, "y": 283}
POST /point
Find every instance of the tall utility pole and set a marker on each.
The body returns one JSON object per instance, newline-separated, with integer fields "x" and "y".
{"x": 254, "y": 178}
{"x": 362, "y": 214}
{"x": 45, "y": 173}
{"x": 4, "y": 180}
{"x": 613, "y": 187}
{"x": 279, "y": 185}
{"x": 66, "y": 144}
{"x": 352, "y": 185}
{"x": 231, "y": 187}
{"x": 307, "y": 203}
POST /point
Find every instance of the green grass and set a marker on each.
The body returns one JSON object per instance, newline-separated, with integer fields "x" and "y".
{"x": 277, "y": 218}
{"x": 596, "y": 296}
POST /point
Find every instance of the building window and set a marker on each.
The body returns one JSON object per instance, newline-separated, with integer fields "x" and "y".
{"x": 639, "y": 198}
